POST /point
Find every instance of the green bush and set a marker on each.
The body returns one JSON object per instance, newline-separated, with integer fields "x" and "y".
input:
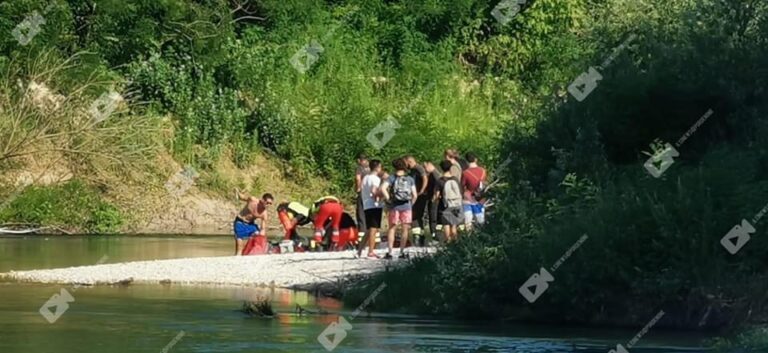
{"x": 577, "y": 169}
{"x": 72, "y": 205}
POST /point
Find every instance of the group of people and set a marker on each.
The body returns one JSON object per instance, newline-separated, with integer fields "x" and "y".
{"x": 448, "y": 198}
{"x": 326, "y": 213}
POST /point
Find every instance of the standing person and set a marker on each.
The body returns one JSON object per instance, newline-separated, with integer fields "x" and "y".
{"x": 463, "y": 163}
{"x": 453, "y": 156}
{"x": 373, "y": 208}
{"x": 449, "y": 195}
{"x": 433, "y": 177}
{"x": 245, "y": 223}
{"x": 400, "y": 192}
{"x": 473, "y": 183}
{"x": 419, "y": 175}
{"x": 360, "y": 173}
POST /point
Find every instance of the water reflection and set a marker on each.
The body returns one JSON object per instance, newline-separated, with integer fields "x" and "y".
{"x": 144, "y": 318}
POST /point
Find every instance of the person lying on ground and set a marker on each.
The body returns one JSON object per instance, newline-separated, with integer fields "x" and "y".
{"x": 448, "y": 192}
{"x": 372, "y": 205}
{"x": 473, "y": 182}
{"x": 245, "y": 225}
{"x": 399, "y": 190}
{"x": 347, "y": 233}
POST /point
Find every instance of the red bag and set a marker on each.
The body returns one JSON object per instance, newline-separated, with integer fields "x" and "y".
{"x": 257, "y": 245}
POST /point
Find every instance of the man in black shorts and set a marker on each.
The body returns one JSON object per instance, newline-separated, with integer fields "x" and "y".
{"x": 373, "y": 206}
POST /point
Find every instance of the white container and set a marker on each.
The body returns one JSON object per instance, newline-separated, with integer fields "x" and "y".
{"x": 286, "y": 246}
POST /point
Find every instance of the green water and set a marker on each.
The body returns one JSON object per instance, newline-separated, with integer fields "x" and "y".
{"x": 173, "y": 318}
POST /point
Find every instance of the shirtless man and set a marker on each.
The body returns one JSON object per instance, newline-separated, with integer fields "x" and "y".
{"x": 245, "y": 223}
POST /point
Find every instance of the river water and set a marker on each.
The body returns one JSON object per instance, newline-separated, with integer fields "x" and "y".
{"x": 176, "y": 318}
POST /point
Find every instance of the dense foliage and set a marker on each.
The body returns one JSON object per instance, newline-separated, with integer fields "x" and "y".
{"x": 577, "y": 169}
{"x": 453, "y": 75}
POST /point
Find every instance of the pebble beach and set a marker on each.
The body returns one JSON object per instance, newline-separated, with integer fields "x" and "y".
{"x": 295, "y": 270}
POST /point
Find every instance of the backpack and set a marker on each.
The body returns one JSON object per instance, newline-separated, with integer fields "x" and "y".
{"x": 451, "y": 193}
{"x": 400, "y": 190}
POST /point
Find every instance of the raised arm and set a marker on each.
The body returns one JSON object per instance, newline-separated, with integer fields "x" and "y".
{"x": 242, "y": 196}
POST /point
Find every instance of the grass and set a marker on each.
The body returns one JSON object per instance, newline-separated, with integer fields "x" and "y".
{"x": 262, "y": 307}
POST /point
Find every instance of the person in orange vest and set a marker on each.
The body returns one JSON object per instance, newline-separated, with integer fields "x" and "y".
{"x": 291, "y": 216}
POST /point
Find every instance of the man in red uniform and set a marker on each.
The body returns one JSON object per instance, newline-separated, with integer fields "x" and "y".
{"x": 324, "y": 209}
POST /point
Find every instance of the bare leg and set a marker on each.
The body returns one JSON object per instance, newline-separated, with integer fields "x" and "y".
{"x": 404, "y": 238}
{"x": 391, "y": 237}
{"x": 372, "y": 239}
{"x": 361, "y": 244}
{"x": 238, "y": 246}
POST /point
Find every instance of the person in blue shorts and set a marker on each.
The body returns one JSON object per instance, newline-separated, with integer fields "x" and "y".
{"x": 245, "y": 225}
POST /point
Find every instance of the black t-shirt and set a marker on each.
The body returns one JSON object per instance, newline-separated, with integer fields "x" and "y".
{"x": 417, "y": 173}
{"x": 463, "y": 164}
{"x": 432, "y": 180}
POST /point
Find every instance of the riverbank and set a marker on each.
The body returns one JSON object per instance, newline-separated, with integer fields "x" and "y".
{"x": 302, "y": 271}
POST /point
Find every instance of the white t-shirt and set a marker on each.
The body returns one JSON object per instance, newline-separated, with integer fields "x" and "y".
{"x": 370, "y": 182}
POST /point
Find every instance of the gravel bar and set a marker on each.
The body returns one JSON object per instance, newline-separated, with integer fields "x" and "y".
{"x": 296, "y": 270}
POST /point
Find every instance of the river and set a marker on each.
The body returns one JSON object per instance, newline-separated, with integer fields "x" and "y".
{"x": 177, "y": 318}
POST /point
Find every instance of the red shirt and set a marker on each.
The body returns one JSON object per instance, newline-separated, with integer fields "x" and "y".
{"x": 470, "y": 181}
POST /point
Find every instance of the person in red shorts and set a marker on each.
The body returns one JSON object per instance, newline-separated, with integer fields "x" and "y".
{"x": 399, "y": 191}
{"x": 324, "y": 209}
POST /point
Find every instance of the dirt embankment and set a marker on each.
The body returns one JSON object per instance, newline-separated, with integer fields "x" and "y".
{"x": 175, "y": 199}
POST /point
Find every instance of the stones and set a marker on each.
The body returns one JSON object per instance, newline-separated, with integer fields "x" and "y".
{"x": 294, "y": 270}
